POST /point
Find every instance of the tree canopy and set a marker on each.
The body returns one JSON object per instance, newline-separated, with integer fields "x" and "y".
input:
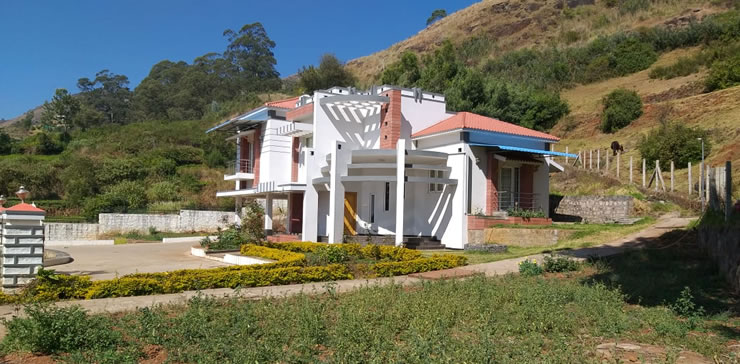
{"x": 330, "y": 72}
{"x": 436, "y": 15}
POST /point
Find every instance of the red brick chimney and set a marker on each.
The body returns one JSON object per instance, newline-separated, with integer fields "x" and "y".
{"x": 390, "y": 120}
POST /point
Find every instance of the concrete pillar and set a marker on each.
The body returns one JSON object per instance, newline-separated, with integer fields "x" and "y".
{"x": 400, "y": 188}
{"x": 22, "y": 240}
{"x": 309, "y": 230}
{"x": 268, "y": 214}
{"x": 338, "y": 168}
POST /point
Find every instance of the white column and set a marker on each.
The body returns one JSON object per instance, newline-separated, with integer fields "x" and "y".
{"x": 400, "y": 188}
{"x": 268, "y": 214}
{"x": 338, "y": 168}
{"x": 310, "y": 198}
{"x": 22, "y": 238}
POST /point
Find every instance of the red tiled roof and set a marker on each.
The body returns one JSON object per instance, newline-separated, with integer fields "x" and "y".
{"x": 467, "y": 120}
{"x": 298, "y": 112}
{"x": 24, "y": 207}
{"x": 283, "y": 104}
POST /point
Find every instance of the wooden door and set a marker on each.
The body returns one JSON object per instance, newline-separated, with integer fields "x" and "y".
{"x": 350, "y": 213}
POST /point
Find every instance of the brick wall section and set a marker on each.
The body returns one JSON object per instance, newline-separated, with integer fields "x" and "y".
{"x": 491, "y": 185}
{"x": 256, "y": 152}
{"x": 294, "y": 160}
{"x": 526, "y": 185}
{"x": 390, "y": 121}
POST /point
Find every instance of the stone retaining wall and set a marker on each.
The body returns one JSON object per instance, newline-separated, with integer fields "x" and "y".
{"x": 722, "y": 244}
{"x": 185, "y": 221}
{"x": 592, "y": 209}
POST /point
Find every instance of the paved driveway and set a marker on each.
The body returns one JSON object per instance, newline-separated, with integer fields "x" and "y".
{"x": 105, "y": 262}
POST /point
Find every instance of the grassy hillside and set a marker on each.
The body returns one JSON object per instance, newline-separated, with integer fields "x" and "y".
{"x": 516, "y": 24}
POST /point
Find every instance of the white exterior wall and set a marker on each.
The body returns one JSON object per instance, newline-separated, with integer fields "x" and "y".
{"x": 275, "y": 153}
{"x": 421, "y": 114}
{"x": 479, "y": 181}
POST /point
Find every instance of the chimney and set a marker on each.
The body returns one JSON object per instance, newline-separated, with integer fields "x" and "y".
{"x": 390, "y": 120}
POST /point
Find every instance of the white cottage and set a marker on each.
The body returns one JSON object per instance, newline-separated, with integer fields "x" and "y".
{"x": 388, "y": 161}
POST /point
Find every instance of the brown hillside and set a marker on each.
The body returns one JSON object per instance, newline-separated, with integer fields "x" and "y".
{"x": 514, "y": 24}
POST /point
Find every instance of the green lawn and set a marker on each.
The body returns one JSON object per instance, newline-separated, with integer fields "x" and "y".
{"x": 586, "y": 235}
{"x": 558, "y": 318}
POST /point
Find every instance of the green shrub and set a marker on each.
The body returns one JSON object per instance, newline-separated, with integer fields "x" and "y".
{"x": 633, "y": 6}
{"x": 332, "y": 253}
{"x": 724, "y": 74}
{"x": 621, "y": 107}
{"x": 684, "y": 66}
{"x": 163, "y": 191}
{"x": 162, "y": 167}
{"x": 530, "y": 268}
{"x": 674, "y": 142}
{"x": 559, "y": 264}
{"x": 436, "y": 262}
{"x": 50, "y": 286}
{"x": 50, "y": 330}
{"x": 253, "y": 223}
{"x": 116, "y": 170}
{"x": 518, "y": 212}
{"x": 226, "y": 239}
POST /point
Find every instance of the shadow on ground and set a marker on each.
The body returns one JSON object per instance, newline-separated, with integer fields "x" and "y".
{"x": 661, "y": 267}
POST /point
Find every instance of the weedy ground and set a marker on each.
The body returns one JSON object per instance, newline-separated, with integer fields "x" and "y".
{"x": 667, "y": 295}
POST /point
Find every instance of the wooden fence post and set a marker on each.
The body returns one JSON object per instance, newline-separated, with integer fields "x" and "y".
{"x": 607, "y": 162}
{"x": 591, "y": 159}
{"x": 618, "y": 155}
{"x": 672, "y": 169}
{"x": 657, "y": 177}
{"x": 643, "y": 173}
{"x": 598, "y": 159}
{"x": 630, "y": 169}
{"x": 566, "y": 154}
{"x": 690, "y": 185}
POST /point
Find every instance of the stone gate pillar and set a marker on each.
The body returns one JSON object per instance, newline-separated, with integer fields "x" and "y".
{"x": 22, "y": 242}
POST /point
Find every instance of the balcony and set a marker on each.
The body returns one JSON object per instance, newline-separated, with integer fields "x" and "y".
{"x": 508, "y": 200}
{"x": 295, "y": 129}
{"x": 242, "y": 171}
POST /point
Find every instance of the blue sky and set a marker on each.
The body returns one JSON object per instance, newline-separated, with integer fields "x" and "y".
{"x": 46, "y": 45}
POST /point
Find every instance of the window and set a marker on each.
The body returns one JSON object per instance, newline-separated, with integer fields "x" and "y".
{"x": 387, "y": 202}
{"x": 309, "y": 142}
{"x": 436, "y": 187}
{"x": 372, "y": 209}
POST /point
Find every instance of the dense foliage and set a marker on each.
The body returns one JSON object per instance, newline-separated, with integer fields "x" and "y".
{"x": 674, "y": 142}
{"x": 437, "y": 14}
{"x": 621, "y": 107}
{"x": 330, "y": 72}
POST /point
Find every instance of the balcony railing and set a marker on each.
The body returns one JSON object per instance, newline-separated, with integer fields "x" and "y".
{"x": 519, "y": 200}
{"x": 242, "y": 166}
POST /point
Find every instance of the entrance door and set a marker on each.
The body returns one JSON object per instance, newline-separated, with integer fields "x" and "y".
{"x": 350, "y": 213}
{"x": 509, "y": 191}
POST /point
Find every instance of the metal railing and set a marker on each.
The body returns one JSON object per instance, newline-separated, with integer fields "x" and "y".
{"x": 518, "y": 200}
{"x": 242, "y": 166}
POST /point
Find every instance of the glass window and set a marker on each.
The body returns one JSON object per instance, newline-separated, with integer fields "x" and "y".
{"x": 387, "y": 202}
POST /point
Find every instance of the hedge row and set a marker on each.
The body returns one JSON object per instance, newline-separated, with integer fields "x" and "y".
{"x": 370, "y": 251}
{"x": 59, "y": 287}
{"x": 436, "y": 262}
{"x": 283, "y": 257}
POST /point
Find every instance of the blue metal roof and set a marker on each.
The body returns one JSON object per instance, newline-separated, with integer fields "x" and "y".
{"x": 526, "y": 150}
{"x": 259, "y": 114}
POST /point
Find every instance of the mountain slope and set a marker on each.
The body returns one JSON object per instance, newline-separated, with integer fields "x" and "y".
{"x": 515, "y": 24}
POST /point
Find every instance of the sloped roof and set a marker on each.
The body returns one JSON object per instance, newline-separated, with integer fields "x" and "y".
{"x": 467, "y": 120}
{"x": 23, "y": 207}
{"x": 283, "y": 104}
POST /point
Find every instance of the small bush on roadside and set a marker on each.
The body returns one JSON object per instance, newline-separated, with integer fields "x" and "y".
{"x": 435, "y": 262}
{"x": 560, "y": 264}
{"x": 283, "y": 257}
{"x": 50, "y": 286}
{"x": 529, "y": 268}
{"x": 686, "y": 307}
{"x": 226, "y": 239}
{"x": 50, "y": 330}
{"x": 621, "y": 107}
